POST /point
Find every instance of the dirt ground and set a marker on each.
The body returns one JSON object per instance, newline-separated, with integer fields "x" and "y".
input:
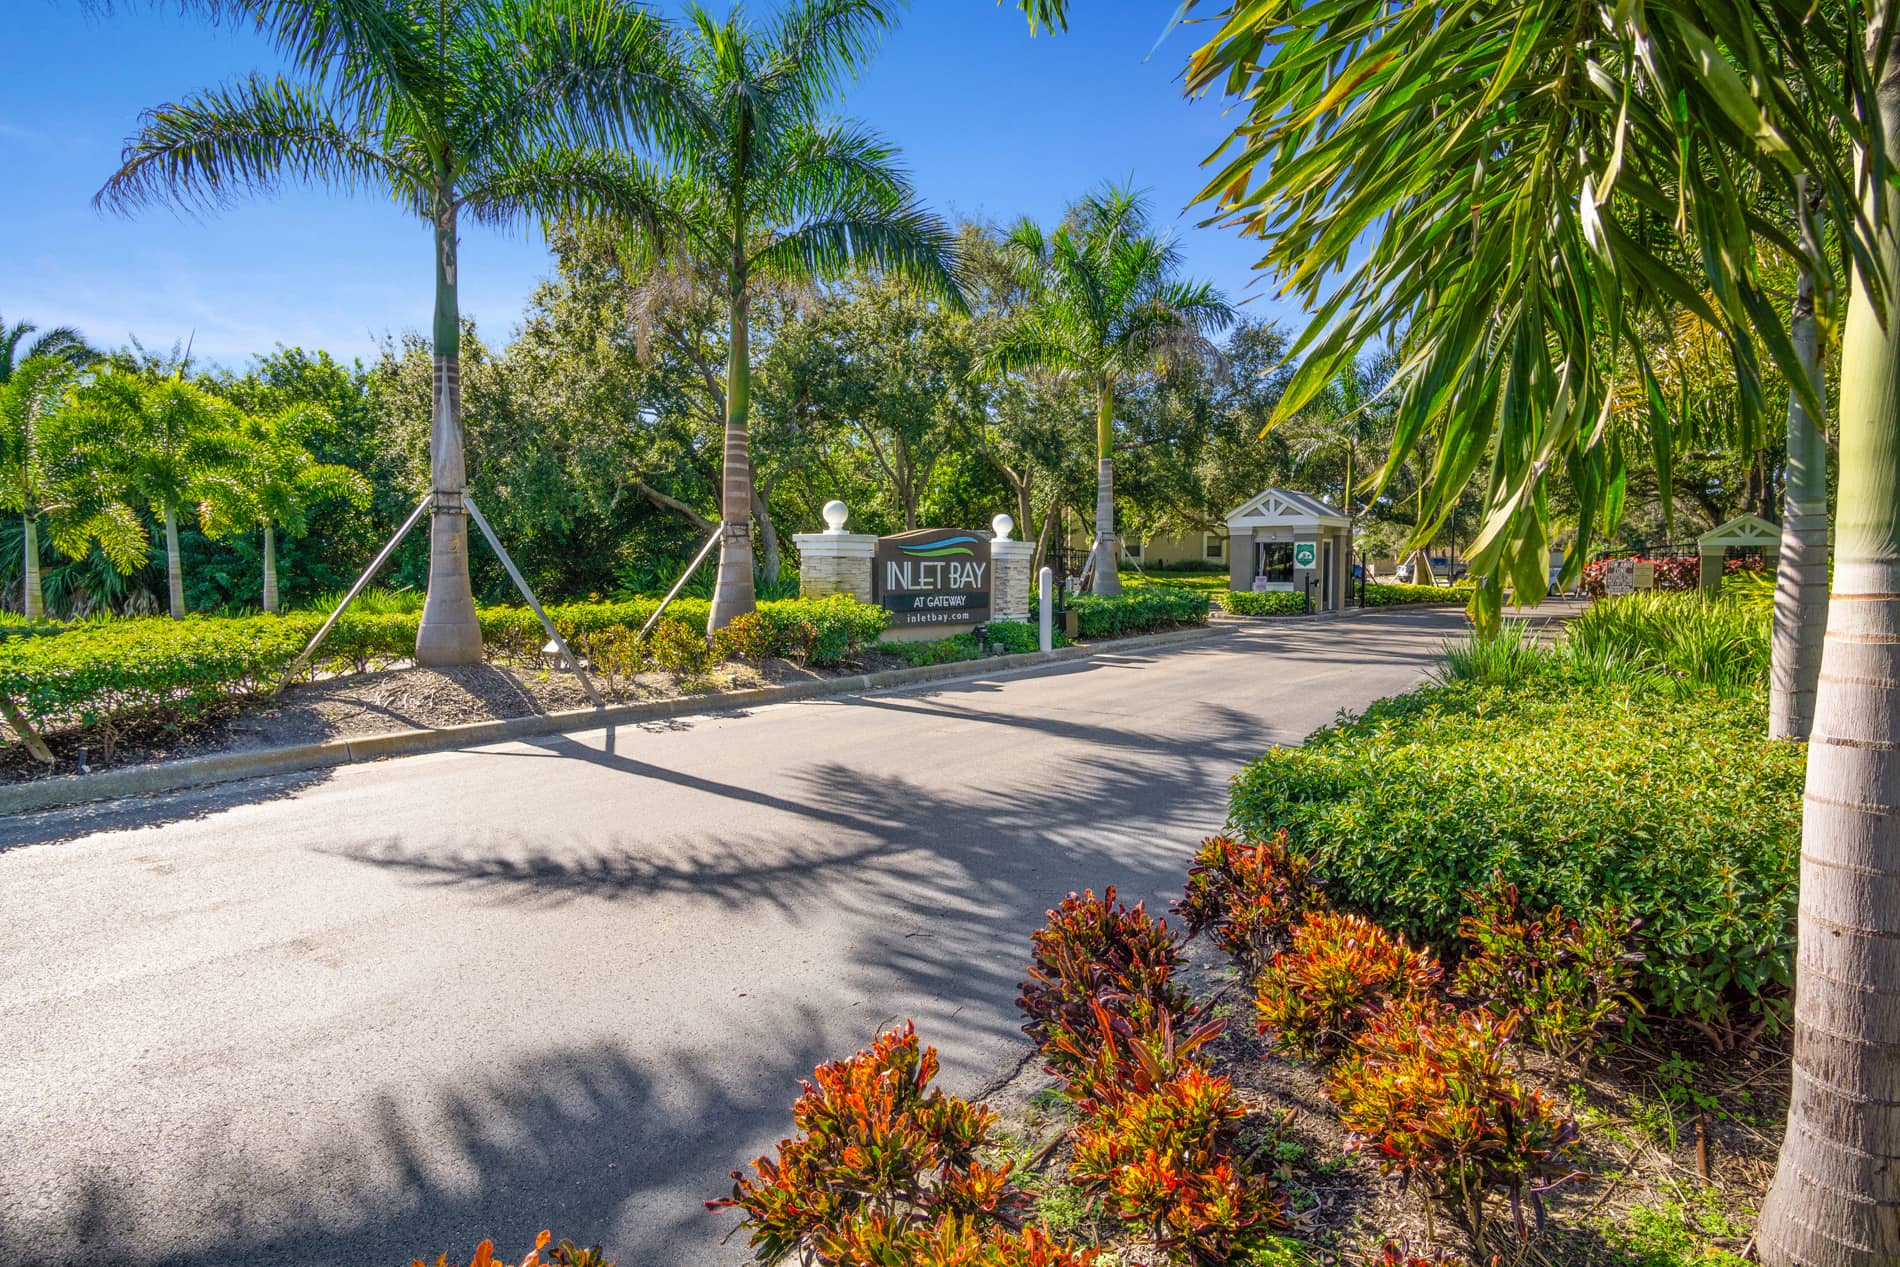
{"x": 396, "y": 699}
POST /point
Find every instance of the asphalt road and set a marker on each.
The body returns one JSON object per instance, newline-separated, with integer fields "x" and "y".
{"x": 351, "y": 1017}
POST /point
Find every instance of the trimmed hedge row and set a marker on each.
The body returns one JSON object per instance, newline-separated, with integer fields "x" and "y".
{"x": 1394, "y": 594}
{"x": 1270, "y": 603}
{"x": 1685, "y": 818}
{"x": 1003, "y": 637}
{"x": 1136, "y": 612}
{"x": 96, "y": 672}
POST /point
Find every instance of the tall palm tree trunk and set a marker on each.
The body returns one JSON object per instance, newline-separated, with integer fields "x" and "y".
{"x": 1835, "y": 1201}
{"x": 1108, "y": 555}
{"x": 1801, "y": 572}
{"x": 270, "y": 568}
{"x": 448, "y": 633}
{"x": 33, "y": 600}
{"x": 174, "y": 565}
{"x": 733, "y": 593}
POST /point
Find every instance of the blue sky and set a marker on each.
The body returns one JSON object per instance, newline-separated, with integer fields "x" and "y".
{"x": 992, "y": 124}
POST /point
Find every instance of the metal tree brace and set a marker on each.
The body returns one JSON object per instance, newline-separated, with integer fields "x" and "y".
{"x": 514, "y": 574}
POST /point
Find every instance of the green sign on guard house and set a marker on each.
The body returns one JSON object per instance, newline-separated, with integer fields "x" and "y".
{"x": 1304, "y": 554}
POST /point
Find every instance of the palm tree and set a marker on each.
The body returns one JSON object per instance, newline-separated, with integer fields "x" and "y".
{"x": 1537, "y": 178}
{"x": 166, "y": 444}
{"x": 1800, "y": 621}
{"x": 1346, "y": 417}
{"x": 493, "y": 110}
{"x": 1106, "y": 306}
{"x": 766, "y": 190}
{"x": 275, "y": 483}
{"x": 60, "y": 343}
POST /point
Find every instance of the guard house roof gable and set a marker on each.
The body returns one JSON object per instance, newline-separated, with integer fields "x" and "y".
{"x": 1284, "y": 508}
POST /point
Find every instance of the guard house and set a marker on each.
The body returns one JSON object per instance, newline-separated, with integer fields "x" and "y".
{"x": 1741, "y": 536}
{"x": 1283, "y": 540}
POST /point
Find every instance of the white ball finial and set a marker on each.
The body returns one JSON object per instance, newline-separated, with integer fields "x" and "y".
{"x": 836, "y": 512}
{"x": 1001, "y": 525}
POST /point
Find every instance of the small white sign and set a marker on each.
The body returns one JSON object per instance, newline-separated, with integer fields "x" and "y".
{"x": 1619, "y": 576}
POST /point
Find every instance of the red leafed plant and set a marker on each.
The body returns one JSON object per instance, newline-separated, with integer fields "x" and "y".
{"x": 1341, "y": 971}
{"x": 1567, "y": 978}
{"x": 877, "y": 1147}
{"x": 1117, "y": 1056}
{"x": 1165, "y": 1161}
{"x": 1431, "y": 1095}
{"x": 1247, "y": 897}
{"x": 952, "y": 1241}
{"x": 566, "y": 1254}
{"x": 1394, "y": 1255}
{"x": 1098, "y": 950}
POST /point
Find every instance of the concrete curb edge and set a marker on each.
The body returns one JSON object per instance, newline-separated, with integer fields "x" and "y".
{"x": 227, "y": 767}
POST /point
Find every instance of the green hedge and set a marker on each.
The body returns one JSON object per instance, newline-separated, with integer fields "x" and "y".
{"x": 1270, "y": 603}
{"x": 1002, "y": 637}
{"x": 95, "y": 672}
{"x": 1393, "y": 594}
{"x": 1682, "y": 814}
{"x": 1135, "y": 612}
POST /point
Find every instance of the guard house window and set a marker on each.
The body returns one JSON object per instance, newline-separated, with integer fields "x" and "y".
{"x": 1213, "y": 545}
{"x": 1273, "y": 561}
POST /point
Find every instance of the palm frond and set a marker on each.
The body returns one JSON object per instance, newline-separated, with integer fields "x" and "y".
{"x": 577, "y": 186}
{"x": 906, "y": 241}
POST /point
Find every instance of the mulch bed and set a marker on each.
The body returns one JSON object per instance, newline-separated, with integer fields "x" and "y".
{"x": 1650, "y": 1154}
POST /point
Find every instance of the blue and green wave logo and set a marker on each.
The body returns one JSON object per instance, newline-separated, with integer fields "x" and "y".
{"x": 943, "y": 549}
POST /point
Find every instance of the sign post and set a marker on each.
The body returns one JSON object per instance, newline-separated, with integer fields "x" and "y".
{"x": 933, "y": 576}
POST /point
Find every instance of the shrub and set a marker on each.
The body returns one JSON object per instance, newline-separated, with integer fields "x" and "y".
{"x": 1686, "y": 819}
{"x": 1247, "y": 896}
{"x": 747, "y": 636}
{"x": 1431, "y": 1096}
{"x": 1138, "y": 611}
{"x": 876, "y": 1149}
{"x": 1165, "y": 1161}
{"x": 1567, "y": 978}
{"x": 1001, "y": 637}
{"x": 1341, "y": 971}
{"x": 1122, "y": 1053}
{"x": 1395, "y": 594}
{"x": 679, "y": 648}
{"x": 1268, "y": 603}
{"x": 1689, "y": 639}
{"x": 566, "y": 1254}
{"x": 1675, "y": 574}
{"x": 951, "y": 1241}
{"x": 1096, "y": 949}
{"x": 824, "y": 631}
{"x": 617, "y": 653}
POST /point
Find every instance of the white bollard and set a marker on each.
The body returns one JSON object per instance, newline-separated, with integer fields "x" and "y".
{"x": 1045, "y": 613}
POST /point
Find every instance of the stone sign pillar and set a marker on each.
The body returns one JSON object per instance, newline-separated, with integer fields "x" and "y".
{"x": 835, "y": 561}
{"x": 1009, "y": 586}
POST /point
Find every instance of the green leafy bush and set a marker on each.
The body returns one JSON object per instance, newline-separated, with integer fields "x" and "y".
{"x": 1267, "y": 603}
{"x": 1165, "y": 1161}
{"x": 679, "y": 648}
{"x": 877, "y": 1148}
{"x": 1341, "y": 971}
{"x": 1567, "y": 978}
{"x": 1138, "y": 611}
{"x": 1247, "y": 897}
{"x": 1684, "y": 818}
{"x": 1001, "y": 637}
{"x": 747, "y": 636}
{"x": 1394, "y": 594}
{"x": 1432, "y": 1097}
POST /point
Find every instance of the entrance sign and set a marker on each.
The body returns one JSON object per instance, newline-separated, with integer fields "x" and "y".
{"x": 934, "y": 576}
{"x": 1619, "y": 576}
{"x": 1304, "y": 552}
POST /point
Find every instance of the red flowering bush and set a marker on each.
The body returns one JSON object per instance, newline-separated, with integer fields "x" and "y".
{"x": 1165, "y": 1161}
{"x": 1096, "y": 949}
{"x": 1341, "y": 971}
{"x": 1247, "y": 896}
{"x": 1568, "y": 978}
{"x": 1430, "y": 1094}
{"x": 1674, "y": 574}
{"x": 876, "y": 1149}
{"x": 566, "y": 1254}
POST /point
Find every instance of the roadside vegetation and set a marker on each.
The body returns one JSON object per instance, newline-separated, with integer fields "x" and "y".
{"x": 1498, "y": 969}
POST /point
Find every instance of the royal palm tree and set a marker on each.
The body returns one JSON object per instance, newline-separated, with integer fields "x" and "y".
{"x": 274, "y": 482}
{"x": 490, "y": 110}
{"x": 767, "y": 190}
{"x": 1800, "y": 622}
{"x": 18, "y": 344}
{"x": 1107, "y": 305}
{"x": 1529, "y": 175}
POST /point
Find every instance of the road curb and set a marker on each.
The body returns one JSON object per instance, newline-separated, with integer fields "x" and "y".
{"x": 226, "y": 767}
